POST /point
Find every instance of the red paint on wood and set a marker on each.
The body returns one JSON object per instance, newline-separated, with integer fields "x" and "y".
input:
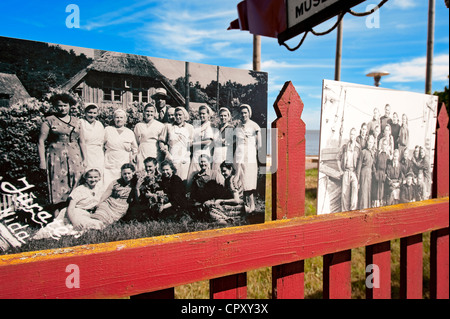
{"x": 411, "y": 267}
{"x": 439, "y": 248}
{"x": 288, "y": 184}
{"x": 229, "y": 287}
{"x": 137, "y": 266}
{"x": 439, "y": 264}
{"x": 337, "y": 275}
{"x": 380, "y": 255}
{"x": 441, "y": 158}
{"x": 288, "y": 281}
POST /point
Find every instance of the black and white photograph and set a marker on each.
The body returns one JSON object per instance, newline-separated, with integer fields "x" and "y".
{"x": 100, "y": 146}
{"x": 376, "y": 147}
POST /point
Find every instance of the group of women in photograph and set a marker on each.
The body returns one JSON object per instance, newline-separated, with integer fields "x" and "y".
{"x": 377, "y": 166}
{"x": 159, "y": 169}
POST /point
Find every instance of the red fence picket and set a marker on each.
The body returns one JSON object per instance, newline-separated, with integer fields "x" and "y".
{"x": 151, "y": 267}
{"x": 439, "y": 249}
{"x": 288, "y": 179}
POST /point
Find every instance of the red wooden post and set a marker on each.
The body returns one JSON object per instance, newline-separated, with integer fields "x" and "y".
{"x": 439, "y": 279}
{"x": 380, "y": 255}
{"x": 411, "y": 267}
{"x": 439, "y": 248}
{"x": 337, "y": 275}
{"x": 441, "y": 155}
{"x": 288, "y": 184}
{"x": 229, "y": 287}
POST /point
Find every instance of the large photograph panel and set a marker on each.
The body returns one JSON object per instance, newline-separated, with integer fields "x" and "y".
{"x": 376, "y": 147}
{"x": 99, "y": 146}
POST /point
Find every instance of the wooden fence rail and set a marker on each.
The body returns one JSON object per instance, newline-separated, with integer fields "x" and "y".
{"x": 151, "y": 267}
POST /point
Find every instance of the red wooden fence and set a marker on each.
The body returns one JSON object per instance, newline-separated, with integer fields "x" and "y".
{"x": 151, "y": 267}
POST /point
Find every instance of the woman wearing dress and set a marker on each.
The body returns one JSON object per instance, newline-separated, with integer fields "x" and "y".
{"x": 421, "y": 165}
{"x": 248, "y": 141}
{"x": 403, "y": 136}
{"x": 64, "y": 157}
{"x": 120, "y": 147}
{"x": 229, "y": 203}
{"x": 364, "y": 173}
{"x": 203, "y": 187}
{"x": 223, "y": 144}
{"x": 148, "y": 134}
{"x": 94, "y": 136}
{"x": 379, "y": 177}
{"x": 174, "y": 189}
{"x": 202, "y": 141}
{"x": 176, "y": 141}
{"x": 395, "y": 129}
{"x": 149, "y": 195}
{"x": 115, "y": 200}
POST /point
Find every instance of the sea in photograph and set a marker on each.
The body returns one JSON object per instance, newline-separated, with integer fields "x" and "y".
{"x": 312, "y": 142}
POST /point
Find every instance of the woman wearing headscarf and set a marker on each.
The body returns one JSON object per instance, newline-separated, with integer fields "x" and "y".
{"x": 223, "y": 144}
{"x": 248, "y": 141}
{"x": 64, "y": 156}
{"x": 202, "y": 140}
{"x": 176, "y": 141}
{"x": 94, "y": 136}
{"x": 120, "y": 147}
{"x": 148, "y": 134}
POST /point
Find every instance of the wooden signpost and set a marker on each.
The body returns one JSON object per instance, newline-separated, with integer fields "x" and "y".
{"x": 302, "y": 15}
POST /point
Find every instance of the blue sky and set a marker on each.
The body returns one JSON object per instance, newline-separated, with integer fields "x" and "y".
{"x": 196, "y": 31}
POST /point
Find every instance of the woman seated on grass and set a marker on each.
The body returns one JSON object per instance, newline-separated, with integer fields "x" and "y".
{"x": 203, "y": 187}
{"x": 149, "y": 196}
{"x": 229, "y": 203}
{"x": 84, "y": 199}
{"x": 115, "y": 201}
{"x": 82, "y": 202}
{"x": 175, "y": 190}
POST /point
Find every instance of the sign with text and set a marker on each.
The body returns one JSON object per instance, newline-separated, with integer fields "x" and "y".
{"x": 302, "y": 15}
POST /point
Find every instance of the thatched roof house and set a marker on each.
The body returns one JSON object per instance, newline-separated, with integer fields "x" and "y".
{"x": 120, "y": 78}
{"x": 11, "y": 90}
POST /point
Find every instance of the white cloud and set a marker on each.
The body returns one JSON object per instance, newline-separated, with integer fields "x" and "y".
{"x": 404, "y": 4}
{"x": 414, "y": 70}
{"x": 271, "y": 65}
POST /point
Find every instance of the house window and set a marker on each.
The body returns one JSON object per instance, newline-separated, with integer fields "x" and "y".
{"x": 136, "y": 97}
{"x": 112, "y": 91}
{"x": 79, "y": 91}
{"x": 4, "y": 100}
{"x": 140, "y": 91}
{"x": 144, "y": 96}
{"x": 145, "y": 86}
